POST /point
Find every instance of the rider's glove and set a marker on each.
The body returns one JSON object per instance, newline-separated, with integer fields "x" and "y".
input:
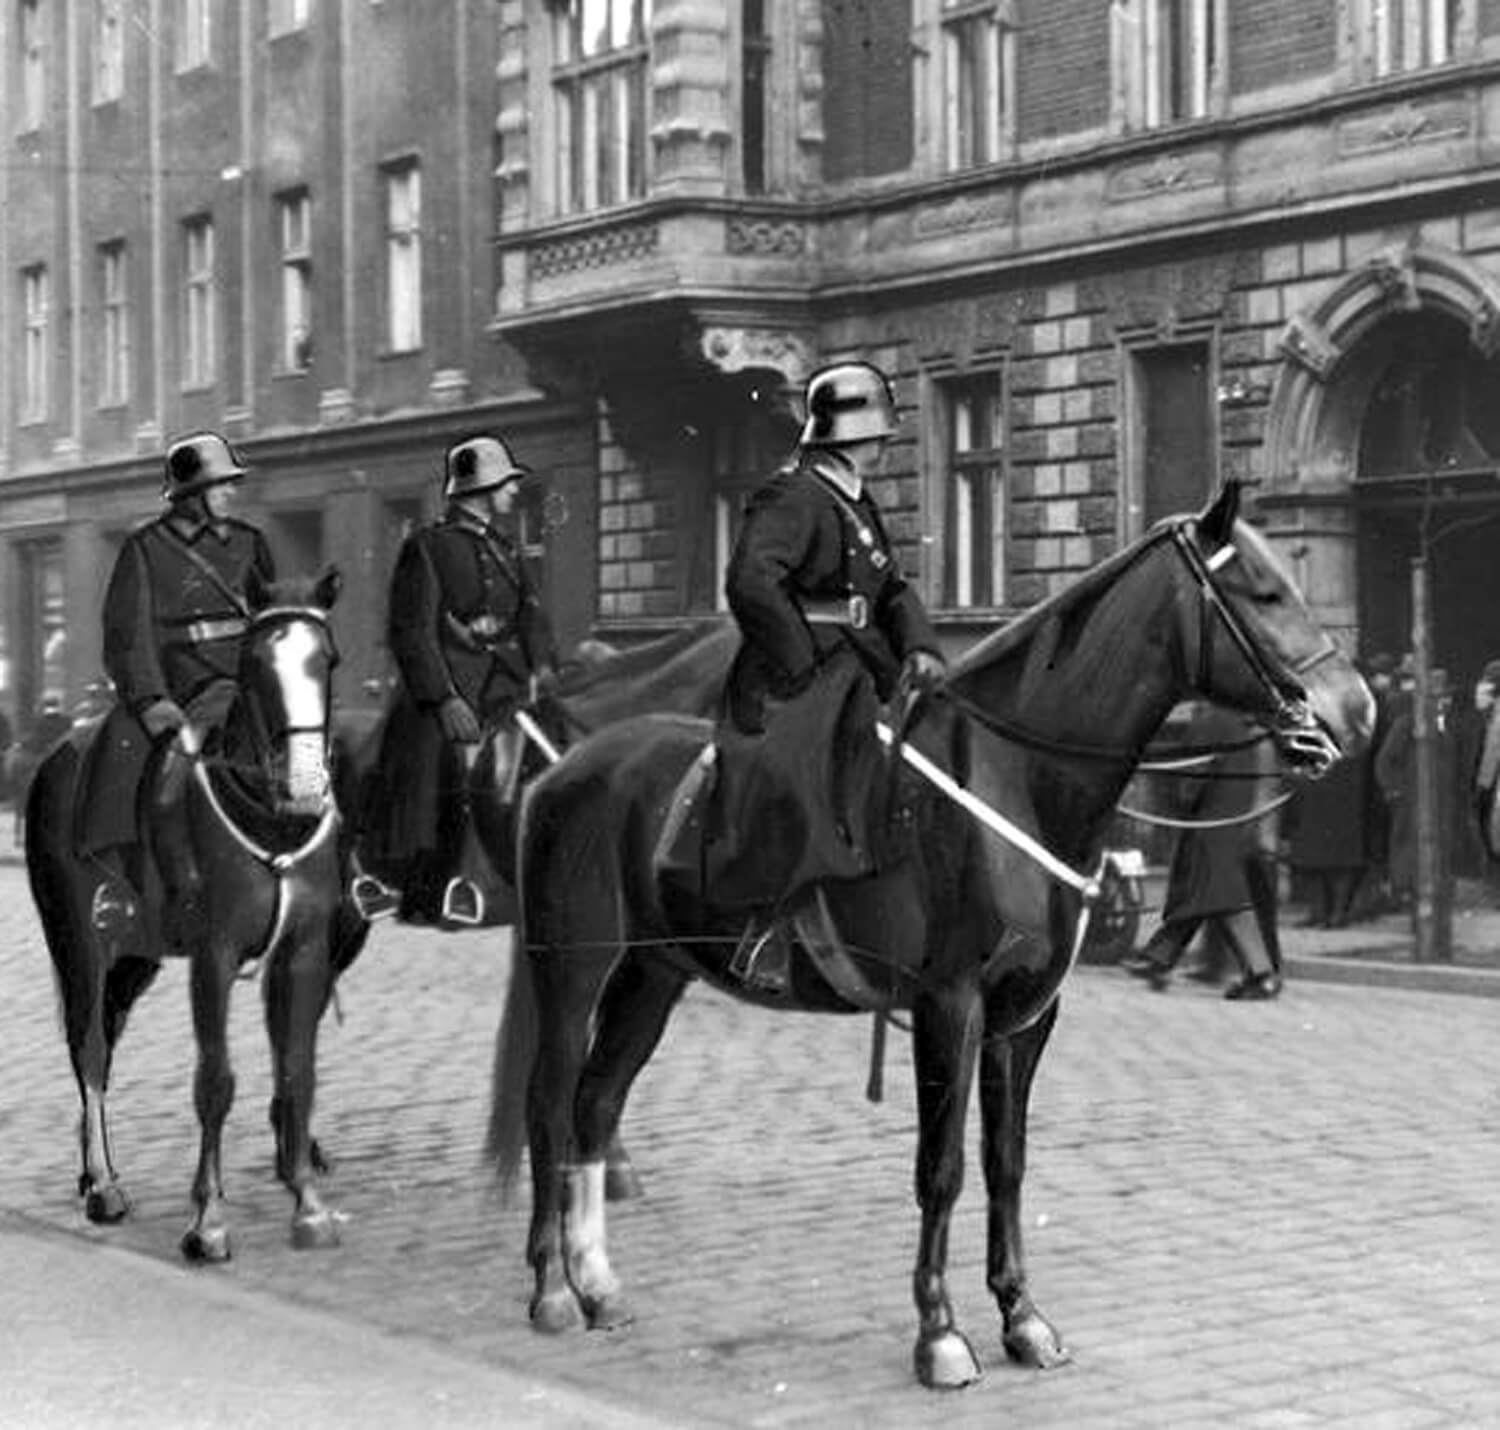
{"x": 459, "y": 723}
{"x": 163, "y": 717}
{"x": 923, "y": 670}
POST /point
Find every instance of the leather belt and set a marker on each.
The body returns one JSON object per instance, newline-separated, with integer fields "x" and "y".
{"x": 198, "y": 632}
{"x": 852, "y": 611}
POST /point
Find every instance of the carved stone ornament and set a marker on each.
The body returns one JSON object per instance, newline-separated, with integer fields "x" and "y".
{"x": 765, "y": 237}
{"x": 1396, "y": 273}
{"x": 1306, "y": 342}
{"x": 740, "y": 349}
{"x": 597, "y": 248}
{"x": 1484, "y": 328}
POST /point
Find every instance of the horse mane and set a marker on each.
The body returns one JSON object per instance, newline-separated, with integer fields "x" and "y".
{"x": 1099, "y": 608}
{"x": 597, "y": 663}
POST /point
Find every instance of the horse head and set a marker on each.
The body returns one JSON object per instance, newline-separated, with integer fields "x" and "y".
{"x": 1258, "y": 647}
{"x": 285, "y": 680}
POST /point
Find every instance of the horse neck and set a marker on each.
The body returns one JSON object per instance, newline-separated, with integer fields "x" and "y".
{"x": 1101, "y": 679}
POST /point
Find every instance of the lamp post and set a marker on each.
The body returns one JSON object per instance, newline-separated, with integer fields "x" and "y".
{"x": 1432, "y": 904}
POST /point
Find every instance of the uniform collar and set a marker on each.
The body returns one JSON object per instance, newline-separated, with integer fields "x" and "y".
{"x": 843, "y": 477}
{"x": 462, "y": 516}
{"x": 192, "y": 530}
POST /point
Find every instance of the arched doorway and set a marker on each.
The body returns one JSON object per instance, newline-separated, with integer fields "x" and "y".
{"x": 1428, "y": 480}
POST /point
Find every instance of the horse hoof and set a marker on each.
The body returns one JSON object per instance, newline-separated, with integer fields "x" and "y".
{"x": 1032, "y": 1341}
{"x": 622, "y": 1183}
{"x": 314, "y": 1231}
{"x": 608, "y": 1313}
{"x": 946, "y": 1362}
{"x": 104, "y": 1206}
{"x": 555, "y": 1313}
{"x": 206, "y": 1245}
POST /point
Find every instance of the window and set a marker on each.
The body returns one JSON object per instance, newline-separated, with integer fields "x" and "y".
{"x": 1167, "y": 60}
{"x": 199, "y": 325}
{"x": 403, "y": 258}
{"x": 35, "y": 298}
{"x": 755, "y": 60}
{"x": 109, "y": 50}
{"x": 114, "y": 308}
{"x": 1171, "y": 422}
{"x": 288, "y": 15}
{"x": 974, "y": 494}
{"x": 742, "y": 454}
{"x": 294, "y": 216}
{"x": 601, "y": 89}
{"x": 194, "y": 33}
{"x": 1399, "y": 35}
{"x": 33, "y": 67}
{"x": 978, "y": 83}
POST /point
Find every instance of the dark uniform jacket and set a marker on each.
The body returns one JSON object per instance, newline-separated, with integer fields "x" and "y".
{"x": 464, "y": 620}
{"x": 804, "y": 540}
{"x": 174, "y": 617}
{"x": 800, "y": 788}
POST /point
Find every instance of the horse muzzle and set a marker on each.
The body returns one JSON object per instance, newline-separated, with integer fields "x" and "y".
{"x": 1305, "y": 742}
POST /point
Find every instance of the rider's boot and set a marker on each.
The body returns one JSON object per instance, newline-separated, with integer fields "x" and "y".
{"x": 763, "y": 958}
{"x": 176, "y": 859}
{"x": 116, "y": 901}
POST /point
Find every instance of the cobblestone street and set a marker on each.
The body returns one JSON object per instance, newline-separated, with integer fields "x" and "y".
{"x": 1257, "y": 1215}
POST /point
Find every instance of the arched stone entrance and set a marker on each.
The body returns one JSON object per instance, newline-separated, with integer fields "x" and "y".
{"x": 1379, "y": 442}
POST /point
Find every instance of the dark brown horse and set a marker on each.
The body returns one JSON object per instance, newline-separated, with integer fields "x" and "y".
{"x": 1043, "y": 721}
{"x": 264, "y": 828}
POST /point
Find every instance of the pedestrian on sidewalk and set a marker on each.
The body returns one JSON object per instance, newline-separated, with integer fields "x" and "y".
{"x": 1486, "y": 773}
{"x": 1223, "y": 876}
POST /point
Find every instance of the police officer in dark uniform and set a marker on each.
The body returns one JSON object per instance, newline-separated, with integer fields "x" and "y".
{"x": 470, "y": 638}
{"x": 827, "y": 619}
{"x": 174, "y": 615}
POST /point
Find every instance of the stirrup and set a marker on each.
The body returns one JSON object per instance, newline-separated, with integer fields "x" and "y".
{"x": 463, "y": 902}
{"x": 372, "y": 898}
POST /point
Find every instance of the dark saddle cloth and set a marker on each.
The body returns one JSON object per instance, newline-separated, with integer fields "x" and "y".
{"x": 116, "y": 754}
{"x": 759, "y": 818}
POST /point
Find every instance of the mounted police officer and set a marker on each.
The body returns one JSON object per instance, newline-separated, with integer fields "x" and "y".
{"x": 174, "y": 615}
{"x": 829, "y": 626}
{"x": 470, "y": 639}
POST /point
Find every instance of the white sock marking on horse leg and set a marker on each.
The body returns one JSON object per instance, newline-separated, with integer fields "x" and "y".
{"x": 583, "y": 1232}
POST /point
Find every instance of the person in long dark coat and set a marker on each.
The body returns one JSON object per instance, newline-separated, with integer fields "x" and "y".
{"x": 1396, "y": 774}
{"x": 829, "y": 627}
{"x": 1222, "y": 880}
{"x": 469, "y": 635}
{"x": 174, "y": 617}
{"x": 1329, "y": 841}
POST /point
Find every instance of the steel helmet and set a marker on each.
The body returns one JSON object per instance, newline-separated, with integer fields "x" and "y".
{"x": 848, "y": 402}
{"x": 479, "y": 465}
{"x": 202, "y": 460}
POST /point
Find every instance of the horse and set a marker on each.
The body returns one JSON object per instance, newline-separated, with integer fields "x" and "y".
{"x": 265, "y": 830}
{"x": 1037, "y": 729}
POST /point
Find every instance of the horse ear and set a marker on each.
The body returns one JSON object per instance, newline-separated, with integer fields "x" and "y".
{"x": 1216, "y": 523}
{"x": 326, "y": 592}
{"x": 257, "y": 593}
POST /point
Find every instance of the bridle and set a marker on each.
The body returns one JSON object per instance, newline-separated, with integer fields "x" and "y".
{"x": 266, "y": 738}
{"x": 1291, "y": 721}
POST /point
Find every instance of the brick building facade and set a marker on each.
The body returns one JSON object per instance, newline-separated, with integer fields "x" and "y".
{"x": 1110, "y": 249}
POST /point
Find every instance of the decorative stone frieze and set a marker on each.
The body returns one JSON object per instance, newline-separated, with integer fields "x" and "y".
{"x": 597, "y": 248}
{"x": 764, "y": 237}
{"x": 1405, "y": 125}
{"x": 1172, "y": 173}
{"x": 966, "y": 211}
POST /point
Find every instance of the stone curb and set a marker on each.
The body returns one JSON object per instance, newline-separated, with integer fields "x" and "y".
{"x": 1373, "y": 972}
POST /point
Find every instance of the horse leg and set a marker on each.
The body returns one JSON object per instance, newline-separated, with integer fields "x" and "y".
{"x": 212, "y": 975}
{"x": 566, "y": 1242}
{"x": 945, "y": 1038}
{"x": 638, "y": 1000}
{"x": 297, "y": 989}
{"x": 1006, "y": 1070}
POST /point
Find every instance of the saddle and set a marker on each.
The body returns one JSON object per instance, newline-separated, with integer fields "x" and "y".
{"x": 794, "y": 931}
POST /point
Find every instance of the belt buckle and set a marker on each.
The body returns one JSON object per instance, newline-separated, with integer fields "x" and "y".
{"x": 859, "y": 612}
